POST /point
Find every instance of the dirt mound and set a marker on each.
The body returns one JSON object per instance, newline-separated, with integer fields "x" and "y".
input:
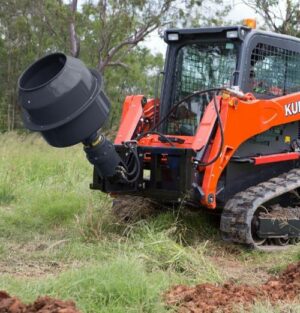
{"x": 46, "y": 304}
{"x": 208, "y": 298}
{"x": 133, "y": 208}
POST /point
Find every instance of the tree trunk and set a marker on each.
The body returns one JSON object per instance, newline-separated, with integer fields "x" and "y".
{"x": 74, "y": 41}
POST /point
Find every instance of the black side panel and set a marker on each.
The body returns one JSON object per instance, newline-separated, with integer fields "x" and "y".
{"x": 240, "y": 176}
{"x": 276, "y": 140}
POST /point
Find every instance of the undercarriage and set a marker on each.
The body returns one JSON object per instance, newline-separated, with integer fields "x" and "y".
{"x": 265, "y": 216}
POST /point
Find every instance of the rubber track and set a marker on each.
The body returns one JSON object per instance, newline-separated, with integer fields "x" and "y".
{"x": 238, "y": 211}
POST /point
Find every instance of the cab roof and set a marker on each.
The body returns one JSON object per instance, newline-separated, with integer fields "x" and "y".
{"x": 220, "y": 32}
{"x": 193, "y": 33}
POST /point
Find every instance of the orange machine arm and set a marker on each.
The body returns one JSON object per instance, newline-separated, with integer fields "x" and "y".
{"x": 242, "y": 120}
{"x": 131, "y": 114}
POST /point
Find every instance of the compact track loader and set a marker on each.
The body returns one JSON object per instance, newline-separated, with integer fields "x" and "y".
{"x": 225, "y": 133}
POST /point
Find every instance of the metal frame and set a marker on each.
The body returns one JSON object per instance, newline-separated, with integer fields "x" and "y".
{"x": 159, "y": 161}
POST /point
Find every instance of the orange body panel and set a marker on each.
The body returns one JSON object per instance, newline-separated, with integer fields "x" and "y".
{"x": 205, "y": 128}
{"x": 152, "y": 141}
{"x": 242, "y": 121}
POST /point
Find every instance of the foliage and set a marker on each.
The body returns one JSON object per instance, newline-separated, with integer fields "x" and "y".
{"x": 138, "y": 77}
{"x": 114, "y": 28}
{"x": 27, "y": 32}
{"x": 279, "y": 16}
{"x": 204, "y": 13}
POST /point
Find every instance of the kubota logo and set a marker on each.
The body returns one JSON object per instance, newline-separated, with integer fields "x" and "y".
{"x": 292, "y": 108}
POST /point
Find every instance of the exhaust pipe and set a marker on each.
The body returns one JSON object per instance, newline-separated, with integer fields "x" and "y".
{"x": 64, "y": 101}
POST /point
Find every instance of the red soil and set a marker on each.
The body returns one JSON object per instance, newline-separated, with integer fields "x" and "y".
{"x": 209, "y": 298}
{"x": 46, "y": 304}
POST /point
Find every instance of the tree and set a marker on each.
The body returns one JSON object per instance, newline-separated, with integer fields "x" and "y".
{"x": 27, "y": 32}
{"x": 118, "y": 26}
{"x": 110, "y": 31}
{"x": 138, "y": 77}
{"x": 74, "y": 40}
{"x": 279, "y": 16}
{"x": 203, "y": 13}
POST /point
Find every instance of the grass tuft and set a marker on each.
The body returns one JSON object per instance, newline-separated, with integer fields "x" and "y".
{"x": 122, "y": 285}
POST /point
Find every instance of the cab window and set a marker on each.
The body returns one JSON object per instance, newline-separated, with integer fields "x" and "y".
{"x": 274, "y": 71}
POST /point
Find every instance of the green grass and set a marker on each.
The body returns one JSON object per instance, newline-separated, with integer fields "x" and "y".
{"x": 59, "y": 238}
{"x": 122, "y": 285}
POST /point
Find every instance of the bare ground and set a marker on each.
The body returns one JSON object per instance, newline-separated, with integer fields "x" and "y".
{"x": 238, "y": 271}
{"x": 46, "y": 304}
{"x": 210, "y": 298}
{"x": 19, "y": 260}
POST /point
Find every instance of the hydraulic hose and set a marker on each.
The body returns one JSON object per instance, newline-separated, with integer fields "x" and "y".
{"x": 153, "y": 131}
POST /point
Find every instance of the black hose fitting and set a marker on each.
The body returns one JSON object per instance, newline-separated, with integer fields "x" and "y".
{"x": 102, "y": 154}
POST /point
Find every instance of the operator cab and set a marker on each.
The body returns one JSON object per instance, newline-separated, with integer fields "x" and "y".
{"x": 265, "y": 64}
